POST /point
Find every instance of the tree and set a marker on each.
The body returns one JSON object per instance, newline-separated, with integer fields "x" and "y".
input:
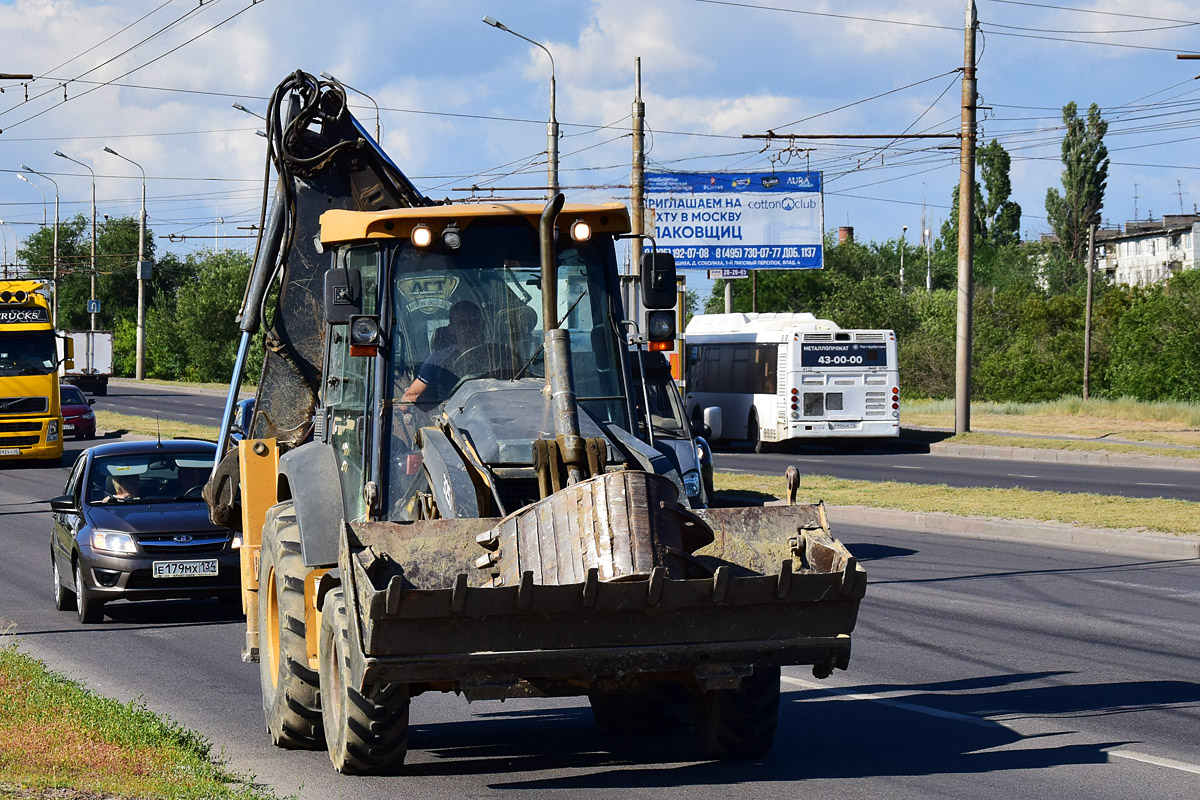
{"x": 997, "y": 217}
{"x": 1084, "y": 179}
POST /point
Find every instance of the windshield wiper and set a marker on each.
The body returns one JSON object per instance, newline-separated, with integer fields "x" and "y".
{"x": 542, "y": 346}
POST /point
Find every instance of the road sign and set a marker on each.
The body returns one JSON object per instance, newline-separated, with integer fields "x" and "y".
{"x": 727, "y": 273}
{"x": 93, "y": 307}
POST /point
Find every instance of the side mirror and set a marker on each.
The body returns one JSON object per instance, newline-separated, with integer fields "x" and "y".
{"x": 64, "y": 502}
{"x": 702, "y": 430}
{"x": 91, "y": 400}
{"x": 343, "y": 295}
{"x": 712, "y": 418}
{"x": 658, "y": 280}
{"x": 68, "y": 361}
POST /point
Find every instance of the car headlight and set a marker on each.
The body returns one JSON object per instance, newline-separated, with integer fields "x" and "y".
{"x": 113, "y": 542}
{"x": 52, "y": 431}
{"x": 691, "y": 483}
{"x": 88, "y": 415}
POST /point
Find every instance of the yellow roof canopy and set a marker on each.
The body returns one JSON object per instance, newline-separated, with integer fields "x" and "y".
{"x": 338, "y": 226}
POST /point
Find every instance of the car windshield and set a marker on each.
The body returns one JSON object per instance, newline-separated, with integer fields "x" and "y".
{"x": 153, "y": 477}
{"x": 666, "y": 409}
{"x": 27, "y": 353}
{"x": 72, "y": 396}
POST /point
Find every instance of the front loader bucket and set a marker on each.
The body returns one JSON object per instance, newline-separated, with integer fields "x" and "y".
{"x": 765, "y": 586}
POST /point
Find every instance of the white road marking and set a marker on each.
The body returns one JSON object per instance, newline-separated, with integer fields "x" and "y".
{"x": 1146, "y": 758}
{"x": 926, "y": 710}
{"x": 1168, "y": 485}
{"x": 1162, "y": 590}
{"x": 1018, "y": 475}
{"x": 902, "y": 466}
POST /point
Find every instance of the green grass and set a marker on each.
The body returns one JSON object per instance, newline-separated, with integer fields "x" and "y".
{"x": 149, "y": 426}
{"x": 56, "y": 735}
{"x": 1179, "y": 517}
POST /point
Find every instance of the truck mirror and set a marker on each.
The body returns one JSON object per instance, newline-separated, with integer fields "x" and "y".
{"x": 68, "y": 359}
{"x": 658, "y": 280}
{"x": 343, "y": 295}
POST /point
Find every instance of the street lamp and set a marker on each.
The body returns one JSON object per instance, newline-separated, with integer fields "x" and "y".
{"x": 245, "y": 110}
{"x": 54, "y": 302}
{"x": 143, "y": 273}
{"x": 903, "y": 231}
{"x": 4, "y": 238}
{"x": 21, "y": 177}
{"x": 92, "y": 303}
{"x": 552, "y": 127}
{"x": 329, "y": 77}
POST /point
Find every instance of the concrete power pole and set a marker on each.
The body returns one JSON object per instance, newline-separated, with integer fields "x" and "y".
{"x": 966, "y": 230}
{"x": 637, "y": 196}
{"x": 1087, "y": 314}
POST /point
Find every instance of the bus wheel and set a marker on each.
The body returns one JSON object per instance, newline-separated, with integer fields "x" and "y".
{"x": 753, "y": 433}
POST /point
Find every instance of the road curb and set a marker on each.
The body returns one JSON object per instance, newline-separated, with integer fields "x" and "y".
{"x": 1064, "y": 456}
{"x": 1128, "y": 542}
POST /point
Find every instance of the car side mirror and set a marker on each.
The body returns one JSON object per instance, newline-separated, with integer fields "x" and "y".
{"x": 91, "y": 401}
{"x": 712, "y": 418}
{"x": 64, "y": 502}
{"x": 702, "y": 430}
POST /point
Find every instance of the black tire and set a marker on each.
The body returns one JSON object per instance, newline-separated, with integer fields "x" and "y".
{"x": 754, "y": 434}
{"x": 367, "y": 733}
{"x": 739, "y": 723}
{"x": 91, "y": 609}
{"x": 654, "y": 709}
{"x": 290, "y": 691}
{"x": 64, "y": 598}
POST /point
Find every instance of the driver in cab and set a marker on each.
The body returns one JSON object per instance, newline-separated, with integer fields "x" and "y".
{"x": 437, "y": 376}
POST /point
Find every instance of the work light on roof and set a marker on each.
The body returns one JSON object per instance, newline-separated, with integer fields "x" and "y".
{"x": 581, "y": 230}
{"x": 452, "y": 236}
{"x": 421, "y": 235}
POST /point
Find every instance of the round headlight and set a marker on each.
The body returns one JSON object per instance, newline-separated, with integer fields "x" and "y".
{"x": 662, "y": 325}
{"x": 364, "y": 330}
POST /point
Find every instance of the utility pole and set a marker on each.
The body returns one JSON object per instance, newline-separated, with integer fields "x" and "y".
{"x": 903, "y": 233}
{"x": 1087, "y": 314}
{"x": 637, "y": 196}
{"x": 966, "y": 230}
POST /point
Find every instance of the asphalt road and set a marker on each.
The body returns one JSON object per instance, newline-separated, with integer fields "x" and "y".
{"x": 901, "y": 460}
{"x": 981, "y": 669}
{"x": 911, "y": 462}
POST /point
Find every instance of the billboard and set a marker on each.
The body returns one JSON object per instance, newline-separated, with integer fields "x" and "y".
{"x": 738, "y": 220}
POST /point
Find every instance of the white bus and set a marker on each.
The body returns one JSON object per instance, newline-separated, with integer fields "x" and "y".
{"x": 776, "y": 377}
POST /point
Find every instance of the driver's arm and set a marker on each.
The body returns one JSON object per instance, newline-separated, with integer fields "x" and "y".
{"x": 414, "y": 391}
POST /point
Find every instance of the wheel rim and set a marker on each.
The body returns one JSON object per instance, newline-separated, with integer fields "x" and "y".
{"x": 58, "y": 587}
{"x": 272, "y": 631}
{"x": 79, "y": 589}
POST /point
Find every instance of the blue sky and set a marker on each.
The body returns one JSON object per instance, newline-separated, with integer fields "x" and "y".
{"x": 464, "y": 104}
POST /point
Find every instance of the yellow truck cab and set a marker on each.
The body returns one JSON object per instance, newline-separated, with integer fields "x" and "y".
{"x": 30, "y": 416}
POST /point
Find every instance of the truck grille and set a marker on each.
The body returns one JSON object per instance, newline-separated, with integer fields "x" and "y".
{"x": 20, "y": 427}
{"x": 24, "y": 405}
{"x": 19, "y": 441}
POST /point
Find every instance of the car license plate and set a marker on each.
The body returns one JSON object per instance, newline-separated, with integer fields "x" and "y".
{"x": 10, "y": 451}
{"x": 206, "y": 568}
{"x": 843, "y": 426}
{"x": 68, "y": 427}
